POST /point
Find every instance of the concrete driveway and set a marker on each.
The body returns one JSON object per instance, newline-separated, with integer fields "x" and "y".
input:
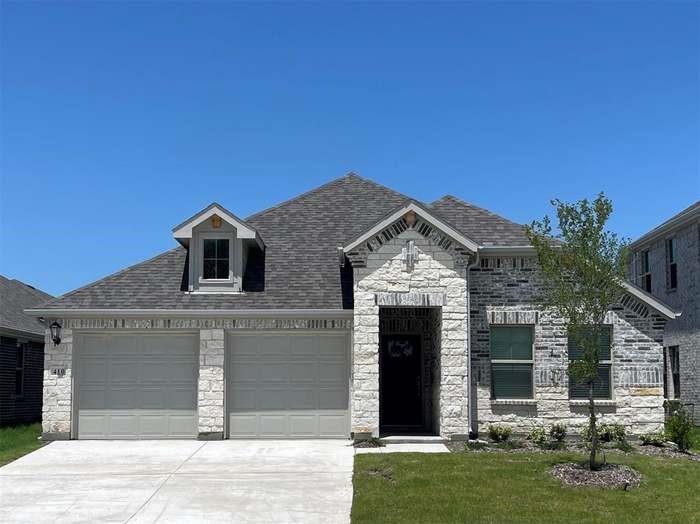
{"x": 180, "y": 481}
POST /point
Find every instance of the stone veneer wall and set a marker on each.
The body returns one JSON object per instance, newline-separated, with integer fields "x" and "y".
{"x": 57, "y": 391}
{"x": 504, "y": 294}
{"x": 434, "y": 281}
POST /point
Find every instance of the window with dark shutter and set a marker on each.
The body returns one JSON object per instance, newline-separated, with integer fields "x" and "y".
{"x": 511, "y": 362}
{"x": 645, "y": 273}
{"x": 602, "y": 385}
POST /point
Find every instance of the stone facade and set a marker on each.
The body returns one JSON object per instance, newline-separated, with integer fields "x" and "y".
{"x": 210, "y": 391}
{"x": 503, "y": 292}
{"x": 460, "y": 307}
{"x": 433, "y": 280}
{"x": 683, "y": 332}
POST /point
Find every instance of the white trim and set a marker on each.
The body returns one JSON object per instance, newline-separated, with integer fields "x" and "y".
{"x": 507, "y": 250}
{"x": 651, "y": 301}
{"x": 213, "y": 313}
{"x": 184, "y": 230}
{"x": 425, "y": 214}
{"x": 684, "y": 218}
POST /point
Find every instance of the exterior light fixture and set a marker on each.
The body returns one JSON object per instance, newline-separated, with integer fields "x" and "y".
{"x": 55, "y": 328}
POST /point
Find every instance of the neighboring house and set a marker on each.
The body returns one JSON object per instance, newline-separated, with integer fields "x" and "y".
{"x": 666, "y": 263}
{"x": 21, "y": 353}
{"x": 348, "y": 310}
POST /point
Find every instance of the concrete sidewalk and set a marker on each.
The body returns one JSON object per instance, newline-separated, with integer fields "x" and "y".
{"x": 180, "y": 481}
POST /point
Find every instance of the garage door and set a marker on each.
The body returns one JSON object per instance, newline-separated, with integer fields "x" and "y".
{"x": 137, "y": 386}
{"x": 288, "y": 385}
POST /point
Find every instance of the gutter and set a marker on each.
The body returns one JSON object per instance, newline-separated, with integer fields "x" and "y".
{"x": 470, "y": 400}
{"x": 180, "y": 313}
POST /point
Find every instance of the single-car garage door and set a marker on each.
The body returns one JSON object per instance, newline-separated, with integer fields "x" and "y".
{"x": 288, "y": 385}
{"x": 137, "y": 386}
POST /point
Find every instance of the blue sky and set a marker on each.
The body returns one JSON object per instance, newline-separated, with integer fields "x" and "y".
{"x": 119, "y": 120}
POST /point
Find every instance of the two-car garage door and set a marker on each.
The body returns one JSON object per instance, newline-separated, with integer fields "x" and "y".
{"x": 279, "y": 385}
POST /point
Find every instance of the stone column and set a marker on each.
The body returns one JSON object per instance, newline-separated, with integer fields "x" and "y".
{"x": 210, "y": 393}
{"x": 365, "y": 346}
{"x": 58, "y": 380}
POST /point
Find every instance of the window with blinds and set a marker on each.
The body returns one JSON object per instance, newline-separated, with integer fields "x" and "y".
{"x": 511, "y": 362}
{"x": 602, "y": 385}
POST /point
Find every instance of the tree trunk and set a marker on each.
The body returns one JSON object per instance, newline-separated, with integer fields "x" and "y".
{"x": 593, "y": 430}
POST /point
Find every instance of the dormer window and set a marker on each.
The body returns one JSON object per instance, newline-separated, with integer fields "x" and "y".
{"x": 218, "y": 245}
{"x": 216, "y": 259}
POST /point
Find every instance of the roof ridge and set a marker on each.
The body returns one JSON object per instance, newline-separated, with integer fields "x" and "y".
{"x": 349, "y": 174}
{"x": 474, "y": 206}
{"x": 112, "y": 275}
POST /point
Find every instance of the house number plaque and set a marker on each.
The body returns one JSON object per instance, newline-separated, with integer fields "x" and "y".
{"x": 59, "y": 372}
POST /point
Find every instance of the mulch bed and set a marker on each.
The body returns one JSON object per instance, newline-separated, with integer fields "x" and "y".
{"x": 611, "y": 476}
{"x": 369, "y": 443}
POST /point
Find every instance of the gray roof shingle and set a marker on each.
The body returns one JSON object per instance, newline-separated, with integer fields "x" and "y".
{"x": 15, "y": 297}
{"x": 300, "y": 268}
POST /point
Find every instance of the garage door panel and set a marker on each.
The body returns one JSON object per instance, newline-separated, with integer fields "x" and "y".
{"x": 274, "y": 372}
{"x": 137, "y": 386}
{"x": 333, "y": 398}
{"x": 293, "y": 385}
{"x": 300, "y": 373}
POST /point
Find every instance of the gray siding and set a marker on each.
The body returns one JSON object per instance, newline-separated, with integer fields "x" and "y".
{"x": 27, "y": 407}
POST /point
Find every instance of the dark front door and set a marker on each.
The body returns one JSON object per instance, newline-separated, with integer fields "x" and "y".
{"x": 400, "y": 388}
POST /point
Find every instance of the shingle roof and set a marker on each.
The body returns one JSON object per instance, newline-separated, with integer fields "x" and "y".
{"x": 482, "y": 226}
{"x": 15, "y": 297}
{"x": 301, "y": 269}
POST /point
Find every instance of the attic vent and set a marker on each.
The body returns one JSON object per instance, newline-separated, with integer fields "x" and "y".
{"x": 635, "y": 306}
{"x": 424, "y": 229}
{"x": 445, "y": 243}
{"x": 399, "y": 226}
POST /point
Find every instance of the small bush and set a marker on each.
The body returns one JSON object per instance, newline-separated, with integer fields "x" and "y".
{"x": 679, "y": 427}
{"x": 558, "y": 432}
{"x": 474, "y": 445}
{"x": 606, "y": 433}
{"x": 499, "y": 433}
{"x": 653, "y": 439}
{"x": 538, "y": 436}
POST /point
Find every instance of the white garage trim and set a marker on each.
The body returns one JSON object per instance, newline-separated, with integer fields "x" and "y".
{"x": 346, "y": 337}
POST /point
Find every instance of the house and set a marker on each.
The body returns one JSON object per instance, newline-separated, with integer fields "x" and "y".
{"x": 21, "y": 353}
{"x": 346, "y": 311}
{"x": 666, "y": 263}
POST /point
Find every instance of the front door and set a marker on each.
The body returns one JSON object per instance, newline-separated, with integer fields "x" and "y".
{"x": 400, "y": 388}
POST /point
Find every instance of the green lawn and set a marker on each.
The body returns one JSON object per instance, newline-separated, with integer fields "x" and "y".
{"x": 503, "y": 487}
{"x": 17, "y": 441}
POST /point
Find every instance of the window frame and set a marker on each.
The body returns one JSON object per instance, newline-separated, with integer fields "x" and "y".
{"x": 216, "y": 236}
{"x": 645, "y": 270}
{"x": 531, "y": 361}
{"x": 601, "y": 362}
{"x": 674, "y": 356}
{"x": 671, "y": 265}
{"x": 20, "y": 370}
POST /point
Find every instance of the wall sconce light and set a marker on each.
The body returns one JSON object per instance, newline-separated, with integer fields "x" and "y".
{"x": 55, "y": 328}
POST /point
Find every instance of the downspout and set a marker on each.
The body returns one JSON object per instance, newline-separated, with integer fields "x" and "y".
{"x": 470, "y": 422}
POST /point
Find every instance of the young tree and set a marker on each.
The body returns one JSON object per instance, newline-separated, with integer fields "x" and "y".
{"x": 583, "y": 267}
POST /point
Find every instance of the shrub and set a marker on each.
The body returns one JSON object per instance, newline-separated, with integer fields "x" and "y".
{"x": 499, "y": 433}
{"x": 538, "y": 436}
{"x": 653, "y": 439}
{"x": 624, "y": 446}
{"x": 679, "y": 427}
{"x": 606, "y": 433}
{"x": 474, "y": 445}
{"x": 612, "y": 433}
{"x": 558, "y": 432}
